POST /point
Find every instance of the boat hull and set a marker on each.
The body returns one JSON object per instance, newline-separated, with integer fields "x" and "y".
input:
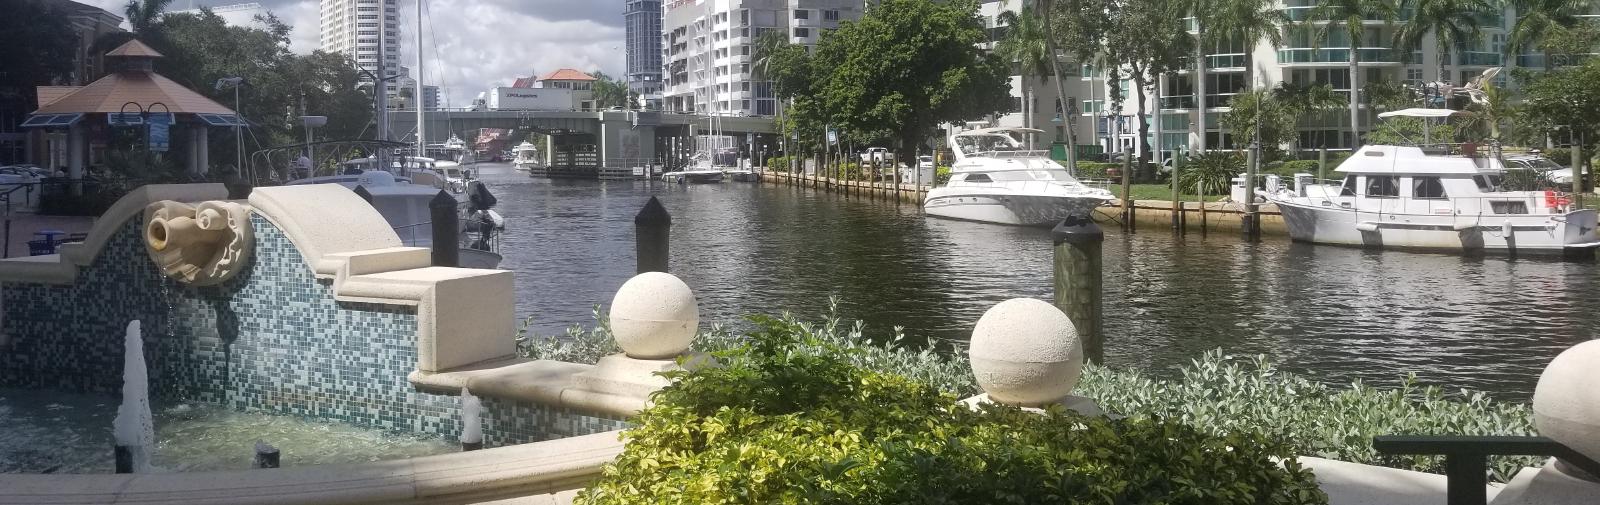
{"x": 1011, "y": 209}
{"x": 474, "y": 258}
{"x": 1528, "y": 233}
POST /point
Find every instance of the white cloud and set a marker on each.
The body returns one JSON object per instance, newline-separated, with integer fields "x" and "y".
{"x": 472, "y": 45}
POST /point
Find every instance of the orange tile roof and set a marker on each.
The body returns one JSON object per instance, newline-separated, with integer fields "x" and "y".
{"x": 108, "y": 95}
{"x": 134, "y": 48}
{"x": 567, "y": 74}
{"x": 49, "y": 94}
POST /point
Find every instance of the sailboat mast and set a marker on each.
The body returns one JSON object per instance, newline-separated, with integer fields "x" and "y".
{"x": 422, "y": 124}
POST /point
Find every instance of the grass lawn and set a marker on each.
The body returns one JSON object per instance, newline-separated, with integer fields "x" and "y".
{"x": 1158, "y": 192}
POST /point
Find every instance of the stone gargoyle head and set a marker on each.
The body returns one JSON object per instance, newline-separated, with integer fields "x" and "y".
{"x": 201, "y": 245}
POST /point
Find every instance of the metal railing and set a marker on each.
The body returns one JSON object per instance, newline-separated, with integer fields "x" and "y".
{"x": 1336, "y": 55}
{"x": 1466, "y": 458}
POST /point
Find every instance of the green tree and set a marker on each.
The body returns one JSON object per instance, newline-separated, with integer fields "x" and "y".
{"x": 1278, "y": 112}
{"x": 1046, "y": 14}
{"x": 610, "y": 92}
{"x": 1538, "y": 19}
{"x": 145, "y": 20}
{"x": 1331, "y": 16}
{"x": 1077, "y": 29}
{"x": 1453, "y": 23}
{"x": 36, "y": 49}
{"x": 906, "y": 67}
{"x": 1569, "y": 97}
{"x": 1154, "y": 42}
{"x": 1025, "y": 45}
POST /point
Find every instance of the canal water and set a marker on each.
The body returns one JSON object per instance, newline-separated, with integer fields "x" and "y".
{"x": 1335, "y": 314}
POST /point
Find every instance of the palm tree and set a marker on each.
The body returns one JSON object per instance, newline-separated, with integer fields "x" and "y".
{"x": 1025, "y": 44}
{"x": 1453, "y": 23}
{"x": 1351, "y": 16}
{"x": 145, "y": 19}
{"x": 1537, "y": 19}
{"x": 1248, "y": 22}
{"x": 1046, "y": 13}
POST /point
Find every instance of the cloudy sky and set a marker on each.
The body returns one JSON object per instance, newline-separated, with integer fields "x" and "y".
{"x": 474, "y": 44}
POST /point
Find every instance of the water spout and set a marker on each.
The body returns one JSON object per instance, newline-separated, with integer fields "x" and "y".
{"x": 471, "y": 421}
{"x": 133, "y": 427}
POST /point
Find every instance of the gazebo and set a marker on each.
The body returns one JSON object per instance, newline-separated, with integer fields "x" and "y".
{"x": 133, "y": 95}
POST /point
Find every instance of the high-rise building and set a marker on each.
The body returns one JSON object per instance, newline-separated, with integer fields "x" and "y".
{"x": 708, "y": 46}
{"x": 643, "y": 22}
{"x": 355, "y": 28}
{"x": 430, "y": 97}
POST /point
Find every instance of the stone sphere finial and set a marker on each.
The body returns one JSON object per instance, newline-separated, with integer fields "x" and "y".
{"x": 1566, "y": 403}
{"x": 654, "y": 316}
{"x": 1026, "y": 352}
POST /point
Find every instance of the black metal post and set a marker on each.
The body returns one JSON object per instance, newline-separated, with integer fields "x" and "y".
{"x": 1077, "y": 268}
{"x": 362, "y": 192}
{"x": 652, "y": 236}
{"x": 446, "y": 230}
{"x": 471, "y": 446}
{"x": 266, "y": 456}
{"x": 124, "y": 458}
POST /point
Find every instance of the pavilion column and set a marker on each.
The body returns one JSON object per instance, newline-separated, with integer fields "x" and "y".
{"x": 193, "y": 155}
{"x": 203, "y": 140}
{"x": 77, "y": 151}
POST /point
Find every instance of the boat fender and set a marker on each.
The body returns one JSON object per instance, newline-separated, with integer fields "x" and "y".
{"x": 1366, "y": 226}
{"x": 1463, "y": 226}
{"x": 1505, "y": 229}
{"x": 494, "y": 217}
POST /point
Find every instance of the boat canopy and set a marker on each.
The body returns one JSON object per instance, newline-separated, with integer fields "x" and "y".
{"x": 1424, "y": 113}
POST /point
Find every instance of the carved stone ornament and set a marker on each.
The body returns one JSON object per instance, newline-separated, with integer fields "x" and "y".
{"x": 201, "y": 244}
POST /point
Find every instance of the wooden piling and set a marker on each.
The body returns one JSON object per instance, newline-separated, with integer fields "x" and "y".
{"x": 1078, "y": 283}
{"x": 1127, "y": 189}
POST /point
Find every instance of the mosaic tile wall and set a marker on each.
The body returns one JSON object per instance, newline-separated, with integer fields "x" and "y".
{"x": 271, "y": 339}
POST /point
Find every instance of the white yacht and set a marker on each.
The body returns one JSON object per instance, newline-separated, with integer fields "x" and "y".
{"x": 527, "y": 156}
{"x": 402, "y": 194}
{"x": 1429, "y": 196}
{"x": 995, "y": 180}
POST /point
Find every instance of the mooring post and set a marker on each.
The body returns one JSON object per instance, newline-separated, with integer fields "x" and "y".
{"x": 1249, "y": 222}
{"x": 266, "y": 455}
{"x": 1322, "y": 165}
{"x": 1177, "y": 201}
{"x": 362, "y": 192}
{"x": 446, "y": 225}
{"x": 1077, "y": 280}
{"x": 1127, "y": 189}
{"x": 652, "y": 233}
{"x": 124, "y": 458}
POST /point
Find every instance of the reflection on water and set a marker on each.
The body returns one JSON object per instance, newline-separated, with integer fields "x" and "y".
{"x": 1336, "y": 313}
{"x": 49, "y": 432}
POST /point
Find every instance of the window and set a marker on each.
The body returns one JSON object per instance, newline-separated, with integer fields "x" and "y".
{"x": 1349, "y": 188}
{"x": 978, "y": 178}
{"x": 802, "y": 32}
{"x": 830, "y": 15}
{"x": 1509, "y": 207}
{"x": 1382, "y": 186}
{"x": 802, "y": 14}
{"x": 1427, "y": 187}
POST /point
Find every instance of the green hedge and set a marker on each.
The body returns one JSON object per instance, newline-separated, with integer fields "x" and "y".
{"x": 1095, "y": 170}
{"x": 1216, "y": 393}
{"x": 789, "y": 418}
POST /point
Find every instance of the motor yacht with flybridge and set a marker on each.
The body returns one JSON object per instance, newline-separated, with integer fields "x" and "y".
{"x": 1432, "y": 196}
{"x": 995, "y": 180}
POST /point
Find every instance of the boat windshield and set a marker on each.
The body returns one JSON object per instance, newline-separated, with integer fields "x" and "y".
{"x": 1031, "y": 175}
{"x": 973, "y": 144}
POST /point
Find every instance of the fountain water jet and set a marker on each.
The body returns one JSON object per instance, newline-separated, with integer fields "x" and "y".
{"x": 133, "y": 427}
{"x": 471, "y": 423}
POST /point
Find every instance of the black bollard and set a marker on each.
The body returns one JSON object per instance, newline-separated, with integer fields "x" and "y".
{"x": 446, "y": 230}
{"x": 266, "y": 455}
{"x": 362, "y": 192}
{"x": 471, "y": 446}
{"x": 124, "y": 458}
{"x": 652, "y": 232}
{"x": 1077, "y": 280}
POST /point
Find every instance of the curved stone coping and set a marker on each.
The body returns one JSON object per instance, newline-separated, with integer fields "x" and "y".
{"x": 323, "y": 220}
{"x": 541, "y": 468}
{"x": 63, "y": 268}
{"x": 1547, "y": 485}
{"x": 543, "y": 382}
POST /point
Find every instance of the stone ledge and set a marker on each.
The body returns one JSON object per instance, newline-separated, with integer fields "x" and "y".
{"x": 1357, "y": 484}
{"x": 1547, "y": 485}
{"x": 62, "y": 269}
{"x": 552, "y": 468}
{"x": 543, "y": 382}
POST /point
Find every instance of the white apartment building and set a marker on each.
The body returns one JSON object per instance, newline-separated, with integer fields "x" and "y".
{"x": 355, "y": 27}
{"x": 1301, "y": 60}
{"x": 708, "y": 46}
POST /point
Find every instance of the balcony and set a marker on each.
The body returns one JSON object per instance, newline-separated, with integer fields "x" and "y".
{"x": 1335, "y": 55}
{"x": 1227, "y": 61}
{"x": 1301, "y": 13}
{"x": 1480, "y": 59}
{"x": 1177, "y": 102}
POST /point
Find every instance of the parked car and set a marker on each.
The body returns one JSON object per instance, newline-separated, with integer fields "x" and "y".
{"x": 877, "y": 155}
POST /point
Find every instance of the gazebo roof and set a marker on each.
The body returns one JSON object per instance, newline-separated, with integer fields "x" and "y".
{"x": 134, "y": 48}
{"x": 110, "y": 93}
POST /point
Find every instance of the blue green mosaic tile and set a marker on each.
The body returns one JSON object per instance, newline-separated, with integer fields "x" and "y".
{"x": 271, "y": 339}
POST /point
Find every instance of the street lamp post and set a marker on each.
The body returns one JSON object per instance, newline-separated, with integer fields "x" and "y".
{"x": 238, "y": 131}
